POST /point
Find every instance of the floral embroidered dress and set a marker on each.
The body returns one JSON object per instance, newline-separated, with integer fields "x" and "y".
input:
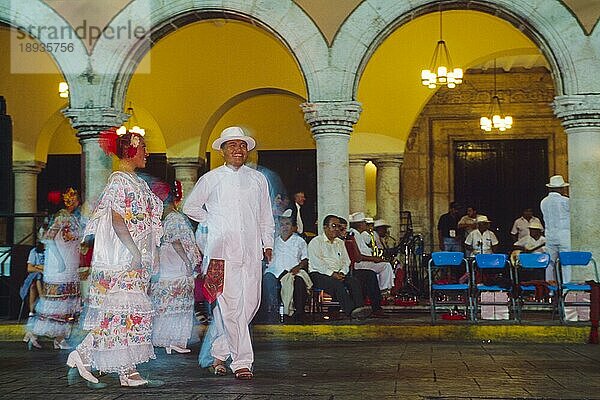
{"x": 59, "y": 307}
{"x": 172, "y": 290}
{"x": 119, "y": 313}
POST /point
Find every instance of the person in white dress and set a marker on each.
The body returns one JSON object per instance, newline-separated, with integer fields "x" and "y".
{"x": 172, "y": 289}
{"x": 127, "y": 228}
{"x": 233, "y": 203}
{"x": 58, "y": 308}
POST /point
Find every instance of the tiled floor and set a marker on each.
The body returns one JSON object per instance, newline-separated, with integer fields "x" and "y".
{"x": 321, "y": 370}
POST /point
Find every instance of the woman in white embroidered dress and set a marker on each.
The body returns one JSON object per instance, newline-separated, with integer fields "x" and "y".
{"x": 127, "y": 228}
{"x": 172, "y": 290}
{"x": 59, "y": 307}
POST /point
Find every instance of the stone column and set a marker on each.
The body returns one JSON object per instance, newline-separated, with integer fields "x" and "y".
{"x": 358, "y": 190}
{"x": 26, "y": 173}
{"x": 331, "y": 124}
{"x": 96, "y": 166}
{"x": 388, "y": 191}
{"x": 186, "y": 171}
{"x": 580, "y": 116}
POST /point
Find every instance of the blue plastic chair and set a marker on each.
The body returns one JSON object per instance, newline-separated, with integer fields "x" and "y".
{"x": 490, "y": 263}
{"x": 573, "y": 259}
{"x": 532, "y": 262}
{"x": 444, "y": 261}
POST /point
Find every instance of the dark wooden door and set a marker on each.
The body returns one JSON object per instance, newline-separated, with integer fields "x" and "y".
{"x": 292, "y": 170}
{"x": 501, "y": 178}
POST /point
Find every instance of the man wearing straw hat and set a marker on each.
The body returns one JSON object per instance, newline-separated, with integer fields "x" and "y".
{"x": 555, "y": 209}
{"x": 232, "y": 202}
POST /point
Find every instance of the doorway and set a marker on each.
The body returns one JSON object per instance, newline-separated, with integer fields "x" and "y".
{"x": 292, "y": 170}
{"x": 501, "y": 178}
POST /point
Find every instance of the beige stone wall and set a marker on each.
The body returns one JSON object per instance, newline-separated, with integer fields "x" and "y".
{"x": 453, "y": 114}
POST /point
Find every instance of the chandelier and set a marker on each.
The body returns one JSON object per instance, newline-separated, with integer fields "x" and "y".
{"x": 123, "y": 129}
{"x": 63, "y": 90}
{"x": 441, "y": 72}
{"x": 495, "y": 119}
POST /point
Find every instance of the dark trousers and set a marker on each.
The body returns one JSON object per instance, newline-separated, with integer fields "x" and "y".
{"x": 370, "y": 286}
{"x": 337, "y": 289}
{"x": 299, "y": 296}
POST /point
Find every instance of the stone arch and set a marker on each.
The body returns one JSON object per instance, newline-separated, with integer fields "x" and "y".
{"x": 226, "y": 106}
{"x": 27, "y": 16}
{"x": 548, "y": 24}
{"x": 284, "y": 19}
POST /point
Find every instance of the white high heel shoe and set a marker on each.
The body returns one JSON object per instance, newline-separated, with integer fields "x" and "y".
{"x": 178, "y": 349}
{"x": 62, "y": 345}
{"x": 126, "y": 380}
{"x": 74, "y": 361}
{"x": 31, "y": 341}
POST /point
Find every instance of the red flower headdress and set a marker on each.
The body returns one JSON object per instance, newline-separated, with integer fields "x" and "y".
{"x": 120, "y": 142}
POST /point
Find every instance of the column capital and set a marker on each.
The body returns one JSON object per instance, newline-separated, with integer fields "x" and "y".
{"x": 578, "y": 111}
{"x": 389, "y": 159}
{"x": 28, "y": 167}
{"x": 89, "y": 122}
{"x": 331, "y": 117}
{"x": 357, "y": 159}
{"x": 186, "y": 162}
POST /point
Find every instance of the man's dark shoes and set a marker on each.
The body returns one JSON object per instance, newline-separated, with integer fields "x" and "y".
{"x": 361, "y": 312}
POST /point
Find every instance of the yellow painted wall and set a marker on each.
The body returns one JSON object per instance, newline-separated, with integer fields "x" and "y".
{"x": 197, "y": 69}
{"x": 275, "y": 121}
{"x": 31, "y": 99}
{"x": 371, "y": 188}
{"x": 390, "y": 88}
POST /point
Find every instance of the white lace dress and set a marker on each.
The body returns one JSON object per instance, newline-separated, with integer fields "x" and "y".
{"x": 58, "y": 309}
{"x": 119, "y": 313}
{"x": 172, "y": 290}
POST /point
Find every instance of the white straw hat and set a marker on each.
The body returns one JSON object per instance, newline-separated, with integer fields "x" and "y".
{"x": 557, "y": 181}
{"x": 233, "y": 133}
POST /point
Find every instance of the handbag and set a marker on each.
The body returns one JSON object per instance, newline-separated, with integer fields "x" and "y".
{"x": 213, "y": 281}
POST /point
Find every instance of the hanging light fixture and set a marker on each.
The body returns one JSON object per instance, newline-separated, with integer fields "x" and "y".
{"x": 495, "y": 119}
{"x": 441, "y": 71}
{"x": 123, "y": 129}
{"x": 63, "y": 90}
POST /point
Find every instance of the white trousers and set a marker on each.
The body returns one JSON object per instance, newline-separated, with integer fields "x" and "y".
{"x": 561, "y": 241}
{"x": 385, "y": 273}
{"x": 236, "y": 307}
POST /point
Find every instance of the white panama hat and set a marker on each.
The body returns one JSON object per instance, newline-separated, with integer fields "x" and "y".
{"x": 482, "y": 218}
{"x": 357, "y": 217}
{"x": 557, "y": 181}
{"x": 380, "y": 222}
{"x": 233, "y": 133}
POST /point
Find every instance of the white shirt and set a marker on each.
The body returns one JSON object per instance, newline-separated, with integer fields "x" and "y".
{"x": 287, "y": 254}
{"x": 529, "y": 243}
{"x": 363, "y": 247}
{"x": 481, "y": 242}
{"x": 521, "y": 226}
{"x": 299, "y": 223}
{"x": 327, "y": 257}
{"x": 236, "y": 208}
{"x": 555, "y": 208}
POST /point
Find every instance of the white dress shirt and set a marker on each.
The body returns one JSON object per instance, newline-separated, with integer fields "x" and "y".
{"x": 299, "y": 223}
{"x": 521, "y": 226}
{"x": 481, "y": 242}
{"x": 236, "y": 207}
{"x": 287, "y": 254}
{"x": 363, "y": 247}
{"x": 555, "y": 208}
{"x": 529, "y": 243}
{"x": 327, "y": 257}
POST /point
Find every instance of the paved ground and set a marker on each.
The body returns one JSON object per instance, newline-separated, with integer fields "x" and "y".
{"x": 338, "y": 370}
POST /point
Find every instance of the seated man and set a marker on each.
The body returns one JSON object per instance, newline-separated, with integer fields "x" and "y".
{"x": 520, "y": 227}
{"x": 383, "y": 269}
{"x": 328, "y": 266}
{"x": 287, "y": 272}
{"x": 533, "y": 242}
{"x": 368, "y": 278}
{"x": 481, "y": 240}
{"x": 383, "y": 239}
